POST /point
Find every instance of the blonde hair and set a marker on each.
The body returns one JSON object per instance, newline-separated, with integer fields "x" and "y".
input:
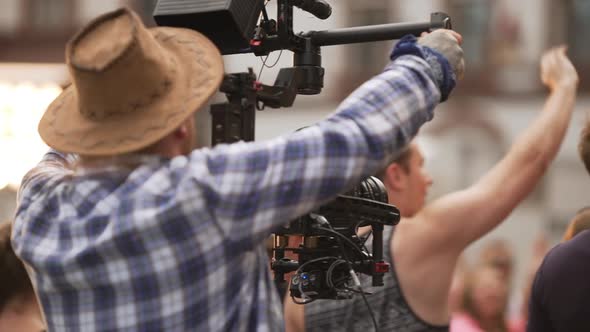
{"x": 469, "y": 305}
{"x": 584, "y": 146}
{"x": 403, "y": 159}
{"x": 580, "y": 222}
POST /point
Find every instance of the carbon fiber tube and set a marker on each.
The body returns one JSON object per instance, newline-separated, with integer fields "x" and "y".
{"x": 379, "y": 32}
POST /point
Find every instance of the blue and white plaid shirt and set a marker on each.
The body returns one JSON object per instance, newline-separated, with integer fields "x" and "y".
{"x": 178, "y": 244}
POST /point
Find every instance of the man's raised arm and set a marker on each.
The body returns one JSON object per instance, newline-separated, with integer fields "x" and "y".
{"x": 469, "y": 214}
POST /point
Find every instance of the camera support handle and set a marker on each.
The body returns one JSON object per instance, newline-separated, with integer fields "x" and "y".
{"x": 234, "y": 120}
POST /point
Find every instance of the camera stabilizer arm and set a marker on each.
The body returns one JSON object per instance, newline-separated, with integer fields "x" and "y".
{"x": 234, "y": 121}
{"x": 234, "y": 26}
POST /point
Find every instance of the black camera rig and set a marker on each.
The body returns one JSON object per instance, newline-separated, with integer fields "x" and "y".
{"x": 331, "y": 252}
{"x": 234, "y": 27}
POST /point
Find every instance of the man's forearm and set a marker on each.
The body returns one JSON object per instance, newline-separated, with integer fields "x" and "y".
{"x": 391, "y": 107}
{"x": 541, "y": 141}
{"x": 490, "y": 200}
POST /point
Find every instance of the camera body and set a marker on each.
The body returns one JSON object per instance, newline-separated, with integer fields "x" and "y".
{"x": 229, "y": 24}
{"x": 332, "y": 251}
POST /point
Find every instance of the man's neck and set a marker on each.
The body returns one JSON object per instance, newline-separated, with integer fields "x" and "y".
{"x": 126, "y": 161}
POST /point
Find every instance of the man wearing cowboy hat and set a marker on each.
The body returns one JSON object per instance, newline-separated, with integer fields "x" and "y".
{"x": 141, "y": 232}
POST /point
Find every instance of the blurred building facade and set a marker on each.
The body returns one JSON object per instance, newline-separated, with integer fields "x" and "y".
{"x": 501, "y": 92}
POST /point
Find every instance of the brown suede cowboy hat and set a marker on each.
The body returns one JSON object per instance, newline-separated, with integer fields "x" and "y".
{"x": 131, "y": 86}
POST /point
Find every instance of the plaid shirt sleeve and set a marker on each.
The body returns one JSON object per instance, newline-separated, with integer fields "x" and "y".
{"x": 252, "y": 188}
{"x": 53, "y": 166}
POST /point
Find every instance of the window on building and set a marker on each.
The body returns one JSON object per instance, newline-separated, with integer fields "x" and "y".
{"x": 365, "y": 59}
{"x": 567, "y": 21}
{"x": 48, "y": 15}
{"x": 87, "y": 10}
{"x": 472, "y": 19}
{"x": 9, "y": 18}
{"x": 367, "y": 55}
{"x": 145, "y": 8}
{"x": 578, "y": 23}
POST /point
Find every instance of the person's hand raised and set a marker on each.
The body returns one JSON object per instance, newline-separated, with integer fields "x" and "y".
{"x": 557, "y": 69}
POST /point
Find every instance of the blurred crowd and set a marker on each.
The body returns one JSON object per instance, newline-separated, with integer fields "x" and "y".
{"x": 483, "y": 296}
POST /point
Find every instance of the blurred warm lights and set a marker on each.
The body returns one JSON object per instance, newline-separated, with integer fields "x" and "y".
{"x": 21, "y": 108}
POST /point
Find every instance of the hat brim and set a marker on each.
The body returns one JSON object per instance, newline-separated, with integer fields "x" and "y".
{"x": 198, "y": 76}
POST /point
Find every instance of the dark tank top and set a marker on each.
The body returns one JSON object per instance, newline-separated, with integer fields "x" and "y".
{"x": 387, "y": 302}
